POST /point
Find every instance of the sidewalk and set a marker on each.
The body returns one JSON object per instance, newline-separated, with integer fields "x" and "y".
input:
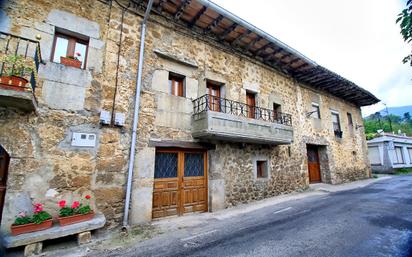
{"x": 115, "y": 239}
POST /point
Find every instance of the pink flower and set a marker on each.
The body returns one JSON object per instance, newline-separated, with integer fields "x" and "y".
{"x": 75, "y": 204}
{"x": 62, "y": 203}
{"x": 38, "y": 208}
{"x": 87, "y": 197}
{"x": 22, "y": 214}
{"x": 78, "y": 54}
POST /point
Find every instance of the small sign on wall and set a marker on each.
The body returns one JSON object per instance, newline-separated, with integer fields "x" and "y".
{"x": 84, "y": 139}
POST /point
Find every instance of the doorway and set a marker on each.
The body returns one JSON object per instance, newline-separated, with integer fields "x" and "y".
{"x": 180, "y": 182}
{"x": 251, "y": 105}
{"x": 214, "y": 96}
{"x": 4, "y": 167}
{"x": 313, "y": 164}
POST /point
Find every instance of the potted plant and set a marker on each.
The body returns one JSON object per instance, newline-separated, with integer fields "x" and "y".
{"x": 15, "y": 67}
{"x": 75, "y": 213}
{"x": 24, "y": 223}
{"x": 72, "y": 61}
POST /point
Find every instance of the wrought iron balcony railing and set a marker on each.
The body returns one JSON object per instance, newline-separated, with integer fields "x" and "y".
{"x": 218, "y": 104}
{"x": 19, "y": 57}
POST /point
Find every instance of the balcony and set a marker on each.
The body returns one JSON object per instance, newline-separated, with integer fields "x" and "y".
{"x": 216, "y": 118}
{"x": 19, "y": 64}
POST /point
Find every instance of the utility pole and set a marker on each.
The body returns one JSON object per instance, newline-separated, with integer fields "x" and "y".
{"x": 389, "y": 118}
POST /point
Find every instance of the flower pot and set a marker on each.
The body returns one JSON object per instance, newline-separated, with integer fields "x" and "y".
{"x": 70, "y": 62}
{"x": 31, "y": 227}
{"x": 75, "y": 218}
{"x": 13, "y": 82}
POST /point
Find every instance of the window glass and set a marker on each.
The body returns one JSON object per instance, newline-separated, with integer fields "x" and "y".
{"x": 81, "y": 49}
{"x": 315, "y": 111}
{"x": 194, "y": 164}
{"x": 336, "y": 122}
{"x": 398, "y": 154}
{"x": 261, "y": 169}
{"x": 176, "y": 85}
{"x": 165, "y": 165}
{"x": 60, "y": 48}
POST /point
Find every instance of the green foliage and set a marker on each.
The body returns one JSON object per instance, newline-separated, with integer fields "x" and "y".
{"x": 84, "y": 209}
{"x": 22, "y": 220}
{"x": 376, "y": 122}
{"x": 405, "y": 22}
{"x": 40, "y": 217}
{"x": 403, "y": 171}
{"x": 66, "y": 211}
{"x": 15, "y": 65}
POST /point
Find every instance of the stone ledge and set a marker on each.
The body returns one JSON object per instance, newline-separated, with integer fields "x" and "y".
{"x": 56, "y": 231}
{"x": 176, "y": 58}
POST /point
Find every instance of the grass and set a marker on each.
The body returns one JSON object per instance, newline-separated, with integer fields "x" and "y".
{"x": 403, "y": 171}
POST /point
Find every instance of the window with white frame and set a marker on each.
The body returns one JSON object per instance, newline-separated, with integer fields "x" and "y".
{"x": 410, "y": 154}
{"x": 398, "y": 155}
{"x": 374, "y": 156}
{"x": 315, "y": 113}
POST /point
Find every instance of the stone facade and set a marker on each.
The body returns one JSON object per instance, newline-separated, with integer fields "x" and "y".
{"x": 45, "y": 167}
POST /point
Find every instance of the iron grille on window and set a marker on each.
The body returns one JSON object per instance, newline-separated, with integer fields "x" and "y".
{"x": 166, "y": 165}
{"x": 213, "y": 103}
{"x": 194, "y": 164}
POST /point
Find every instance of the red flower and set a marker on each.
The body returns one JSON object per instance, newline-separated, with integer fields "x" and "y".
{"x": 78, "y": 54}
{"x": 75, "y": 204}
{"x": 62, "y": 203}
{"x": 87, "y": 197}
{"x": 38, "y": 208}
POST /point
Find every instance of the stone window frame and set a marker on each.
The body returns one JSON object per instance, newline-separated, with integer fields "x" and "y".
{"x": 267, "y": 168}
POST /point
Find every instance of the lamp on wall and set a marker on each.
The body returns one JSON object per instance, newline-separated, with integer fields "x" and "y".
{"x": 310, "y": 113}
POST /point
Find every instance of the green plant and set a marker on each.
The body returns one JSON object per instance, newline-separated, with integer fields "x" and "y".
{"x": 15, "y": 65}
{"x": 75, "y": 208}
{"x": 38, "y": 217}
{"x": 76, "y": 57}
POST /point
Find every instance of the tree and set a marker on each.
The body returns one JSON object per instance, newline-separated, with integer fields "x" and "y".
{"x": 407, "y": 118}
{"x": 405, "y": 22}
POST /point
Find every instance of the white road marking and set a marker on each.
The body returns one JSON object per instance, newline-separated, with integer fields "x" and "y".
{"x": 282, "y": 210}
{"x": 198, "y": 235}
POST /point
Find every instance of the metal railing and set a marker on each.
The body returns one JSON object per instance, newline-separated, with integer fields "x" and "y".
{"x": 19, "y": 56}
{"x": 217, "y": 104}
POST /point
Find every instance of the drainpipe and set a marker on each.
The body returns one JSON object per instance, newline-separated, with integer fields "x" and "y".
{"x": 135, "y": 116}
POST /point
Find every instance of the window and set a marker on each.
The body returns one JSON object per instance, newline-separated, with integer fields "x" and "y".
{"x": 66, "y": 45}
{"x": 350, "y": 121}
{"x": 374, "y": 155}
{"x": 214, "y": 96}
{"x": 336, "y": 125}
{"x": 410, "y": 154}
{"x": 276, "y": 112}
{"x": 315, "y": 113}
{"x": 398, "y": 155}
{"x": 176, "y": 84}
{"x": 261, "y": 169}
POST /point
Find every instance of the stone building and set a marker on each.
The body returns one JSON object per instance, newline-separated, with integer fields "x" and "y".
{"x": 228, "y": 114}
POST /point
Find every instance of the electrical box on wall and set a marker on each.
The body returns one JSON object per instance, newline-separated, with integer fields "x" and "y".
{"x": 105, "y": 117}
{"x": 83, "y": 139}
{"x": 119, "y": 119}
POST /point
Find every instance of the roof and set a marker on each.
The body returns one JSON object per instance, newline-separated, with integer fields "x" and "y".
{"x": 226, "y": 28}
{"x": 385, "y": 137}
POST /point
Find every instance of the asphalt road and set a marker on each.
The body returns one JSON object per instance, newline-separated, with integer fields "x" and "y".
{"x": 371, "y": 221}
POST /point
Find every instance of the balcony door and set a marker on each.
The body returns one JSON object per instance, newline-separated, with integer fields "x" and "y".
{"x": 4, "y": 165}
{"x": 214, "y": 97}
{"x": 251, "y": 102}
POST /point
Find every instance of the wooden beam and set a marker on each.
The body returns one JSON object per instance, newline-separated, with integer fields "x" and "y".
{"x": 263, "y": 48}
{"x": 214, "y": 23}
{"x": 308, "y": 74}
{"x": 253, "y": 42}
{"x": 197, "y": 16}
{"x": 181, "y": 8}
{"x": 228, "y": 31}
{"x": 239, "y": 38}
{"x": 160, "y": 6}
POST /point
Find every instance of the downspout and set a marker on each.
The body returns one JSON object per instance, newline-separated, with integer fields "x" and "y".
{"x": 135, "y": 116}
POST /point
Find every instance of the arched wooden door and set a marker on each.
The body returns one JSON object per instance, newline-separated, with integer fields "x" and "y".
{"x": 4, "y": 166}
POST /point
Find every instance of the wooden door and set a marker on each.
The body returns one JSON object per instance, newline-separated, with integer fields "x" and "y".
{"x": 251, "y": 102}
{"x": 313, "y": 164}
{"x": 214, "y": 97}
{"x": 180, "y": 184}
{"x": 4, "y": 165}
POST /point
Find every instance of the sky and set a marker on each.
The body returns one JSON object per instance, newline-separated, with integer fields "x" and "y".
{"x": 357, "y": 39}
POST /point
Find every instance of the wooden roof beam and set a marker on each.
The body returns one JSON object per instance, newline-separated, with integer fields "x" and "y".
{"x": 197, "y": 16}
{"x": 181, "y": 8}
{"x": 228, "y": 31}
{"x": 160, "y": 6}
{"x": 239, "y": 38}
{"x": 253, "y": 42}
{"x": 214, "y": 23}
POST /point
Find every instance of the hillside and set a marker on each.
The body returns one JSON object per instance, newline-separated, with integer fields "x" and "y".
{"x": 397, "y": 110}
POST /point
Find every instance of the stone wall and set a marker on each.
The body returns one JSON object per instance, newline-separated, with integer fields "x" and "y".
{"x": 45, "y": 167}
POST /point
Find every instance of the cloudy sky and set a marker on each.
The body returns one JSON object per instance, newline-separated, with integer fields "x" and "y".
{"x": 355, "y": 38}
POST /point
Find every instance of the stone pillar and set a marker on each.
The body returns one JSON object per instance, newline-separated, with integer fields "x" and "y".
{"x": 216, "y": 182}
{"x": 84, "y": 238}
{"x": 32, "y": 249}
